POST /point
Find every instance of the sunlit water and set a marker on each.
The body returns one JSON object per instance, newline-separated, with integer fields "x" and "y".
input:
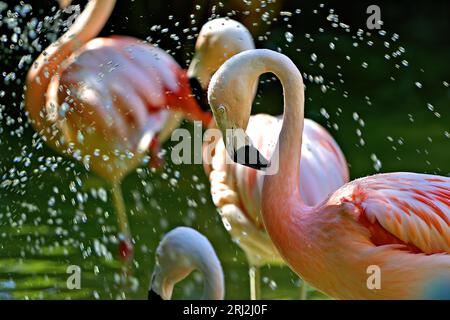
{"x": 372, "y": 96}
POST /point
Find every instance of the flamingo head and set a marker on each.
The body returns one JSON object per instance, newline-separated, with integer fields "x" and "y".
{"x": 230, "y": 95}
{"x": 180, "y": 252}
{"x": 218, "y": 40}
{"x": 170, "y": 268}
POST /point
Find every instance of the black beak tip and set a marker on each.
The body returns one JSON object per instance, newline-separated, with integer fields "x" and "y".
{"x": 199, "y": 94}
{"x": 152, "y": 295}
{"x": 250, "y": 157}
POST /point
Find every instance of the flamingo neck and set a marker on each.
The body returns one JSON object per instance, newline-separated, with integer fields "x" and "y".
{"x": 288, "y": 149}
{"x": 282, "y": 206}
{"x": 285, "y": 181}
{"x": 86, "y": 26}
{"x": 213, "y": 282}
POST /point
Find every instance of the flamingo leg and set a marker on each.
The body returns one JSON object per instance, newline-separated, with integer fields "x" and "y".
{"x": 125, "y": 239}
{"x": 255, "y": 282}
{"x": 303, "y": 290}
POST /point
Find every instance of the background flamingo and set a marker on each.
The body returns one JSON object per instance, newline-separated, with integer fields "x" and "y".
{"x": 397, "y": 222}
{"x": 235, "y": 189}
{"x": 180, "y": 252}
{"x": 107, "y": 101}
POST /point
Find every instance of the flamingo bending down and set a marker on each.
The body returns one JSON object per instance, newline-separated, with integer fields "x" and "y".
{"x": 180, "y": 252}
{"x": 236, "y": 189}
{"x": 398, "y": 223}
{"x": 107, "y": 101}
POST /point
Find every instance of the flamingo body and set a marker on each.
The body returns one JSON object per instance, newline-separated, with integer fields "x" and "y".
{"x": 398, "y": 222}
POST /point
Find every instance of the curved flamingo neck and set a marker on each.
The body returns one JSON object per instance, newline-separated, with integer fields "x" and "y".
{"x": 213, "y": 282}
{"x": 288, "y": 150}
{"x": 86, "y": 26}
{"x": 282, "y": 206}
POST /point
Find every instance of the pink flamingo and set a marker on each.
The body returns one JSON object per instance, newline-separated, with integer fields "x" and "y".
{"x": 107, "y": 101}
{"x": 236, "y": 189}
{"x": 398, "y": 223}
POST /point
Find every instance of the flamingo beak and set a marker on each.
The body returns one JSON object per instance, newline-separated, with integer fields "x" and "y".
{"x": 152, "y": 294}
{"x": 245, "y": 154}
{"x": 242, "y": 151}
{"x": 199, "y": 94}
{"x": 198, "y": 69}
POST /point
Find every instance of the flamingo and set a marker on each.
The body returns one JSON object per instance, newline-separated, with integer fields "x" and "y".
{"x": 107, "y": 101}
{"x": 180, "y": 252}
{"x": 236, "y": 189}
{"x": 398, "y": 223}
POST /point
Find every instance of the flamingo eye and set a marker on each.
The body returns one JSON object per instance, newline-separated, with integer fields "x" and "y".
{"x": 221, "y": 109}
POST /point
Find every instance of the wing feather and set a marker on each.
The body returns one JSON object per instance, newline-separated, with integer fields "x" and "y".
{"x": 414, "y": 208}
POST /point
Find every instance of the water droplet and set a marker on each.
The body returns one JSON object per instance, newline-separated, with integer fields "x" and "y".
{"x": 289, "y": 36}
